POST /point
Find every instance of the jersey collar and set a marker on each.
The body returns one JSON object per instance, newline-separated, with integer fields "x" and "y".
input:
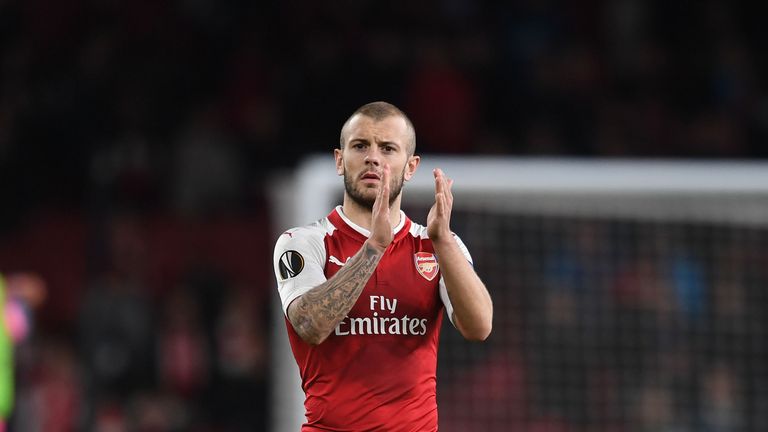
{"x": 399, "y": 229}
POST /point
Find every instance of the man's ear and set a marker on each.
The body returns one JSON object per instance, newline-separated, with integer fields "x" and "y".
{"x": 410, "y": 167}
{"x": 339, "y": 161}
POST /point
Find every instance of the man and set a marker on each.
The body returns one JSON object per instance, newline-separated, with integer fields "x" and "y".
{"x": 363, "y": 289}
{"x": 19, "y": 293}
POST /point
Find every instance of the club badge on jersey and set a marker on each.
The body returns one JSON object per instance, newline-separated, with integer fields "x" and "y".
{"x": 426, "y": 264}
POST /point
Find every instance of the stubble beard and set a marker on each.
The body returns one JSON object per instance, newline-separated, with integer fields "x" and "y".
{"x": 359, "y": 198}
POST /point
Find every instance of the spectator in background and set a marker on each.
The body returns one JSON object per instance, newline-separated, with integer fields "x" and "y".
{"x": 182, "y": 349}
{"x": 721, "y": 405}
{"x": 443, "y": 100}
{"x": 208, "y": 171}
{"x": 117, "y": 323}
{"x": 19, "y": 294}
{"x": 239, "y": 396}
{"x": 49, "y": 396}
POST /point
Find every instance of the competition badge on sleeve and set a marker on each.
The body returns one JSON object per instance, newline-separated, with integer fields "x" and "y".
{"x": 291, "y": 264}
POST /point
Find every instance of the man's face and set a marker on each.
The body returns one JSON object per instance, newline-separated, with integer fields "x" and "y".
{"x": 368, "y": 145}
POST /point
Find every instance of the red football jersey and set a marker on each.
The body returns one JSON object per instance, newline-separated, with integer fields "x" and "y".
{"x": 377, "y": 370}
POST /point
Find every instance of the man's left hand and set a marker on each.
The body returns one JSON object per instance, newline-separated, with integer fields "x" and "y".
{"x": 439, "y": 218}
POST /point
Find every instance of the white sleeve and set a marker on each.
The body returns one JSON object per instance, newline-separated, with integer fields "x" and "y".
{"x": 299, "y": 263}
{"x": 443, "y": 290}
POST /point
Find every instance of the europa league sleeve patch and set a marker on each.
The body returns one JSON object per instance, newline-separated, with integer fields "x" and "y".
{"x": 291, "y": 264}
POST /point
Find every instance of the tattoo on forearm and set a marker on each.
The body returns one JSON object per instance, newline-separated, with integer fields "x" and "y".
{"x": 315, "y": 314}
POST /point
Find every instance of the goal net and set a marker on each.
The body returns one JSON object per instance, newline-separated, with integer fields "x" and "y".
{"x": 628, "y": 295}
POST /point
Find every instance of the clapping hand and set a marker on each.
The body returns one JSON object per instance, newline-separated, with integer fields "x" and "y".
{"x": 439, "y": 218}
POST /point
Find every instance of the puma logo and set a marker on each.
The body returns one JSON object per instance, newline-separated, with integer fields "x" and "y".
{"x": 337, "y": 261}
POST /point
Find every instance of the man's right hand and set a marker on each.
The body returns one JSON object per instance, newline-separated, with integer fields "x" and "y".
{"x": 381, "y": 227}
{"x": 317, "y": 312}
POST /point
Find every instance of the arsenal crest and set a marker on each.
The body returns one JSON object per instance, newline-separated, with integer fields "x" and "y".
{"x": 426, "y": 264}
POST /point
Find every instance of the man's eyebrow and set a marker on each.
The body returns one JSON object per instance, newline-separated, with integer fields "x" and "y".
{"x": 379, "y": 143}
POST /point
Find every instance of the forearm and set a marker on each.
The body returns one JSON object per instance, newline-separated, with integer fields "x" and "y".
{"x": 472, "y": 305}
{"x": 316, "y": 313}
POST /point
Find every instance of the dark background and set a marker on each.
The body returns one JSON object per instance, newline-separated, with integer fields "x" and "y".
{"x": 137, "y": 137}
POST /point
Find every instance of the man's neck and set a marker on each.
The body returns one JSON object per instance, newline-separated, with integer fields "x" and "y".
{"x": 361, "y": 216}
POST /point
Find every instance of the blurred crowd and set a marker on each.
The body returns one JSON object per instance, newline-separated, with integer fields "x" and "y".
{"x": 192, "y": 103}
{"x": 166, "y": 331}
{"x": 137, "y": 138}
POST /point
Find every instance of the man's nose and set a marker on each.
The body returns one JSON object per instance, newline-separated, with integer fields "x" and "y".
{"x": 373, "y": 157}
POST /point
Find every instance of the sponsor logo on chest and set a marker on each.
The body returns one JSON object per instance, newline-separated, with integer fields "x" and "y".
{"x": 384, "y": 320}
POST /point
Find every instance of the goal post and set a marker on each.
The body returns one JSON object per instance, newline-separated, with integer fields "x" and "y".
{"x": 621, "y": 287}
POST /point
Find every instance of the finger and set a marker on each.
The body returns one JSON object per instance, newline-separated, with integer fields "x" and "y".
{"x": 449, "y": 191}
{"x": 384, "y": 187}
{"x": 385, "y": 196}
{"x": 445, "y": 187}
{"x": 438, "y": 173}
{"x": 439, "y": 205}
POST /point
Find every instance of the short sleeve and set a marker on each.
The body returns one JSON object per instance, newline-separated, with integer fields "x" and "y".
{"x": 443, "y": 290}
{"x": 299, "y": 263}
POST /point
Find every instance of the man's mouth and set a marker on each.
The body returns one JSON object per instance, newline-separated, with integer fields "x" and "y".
{"x": 370, "y": 176}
